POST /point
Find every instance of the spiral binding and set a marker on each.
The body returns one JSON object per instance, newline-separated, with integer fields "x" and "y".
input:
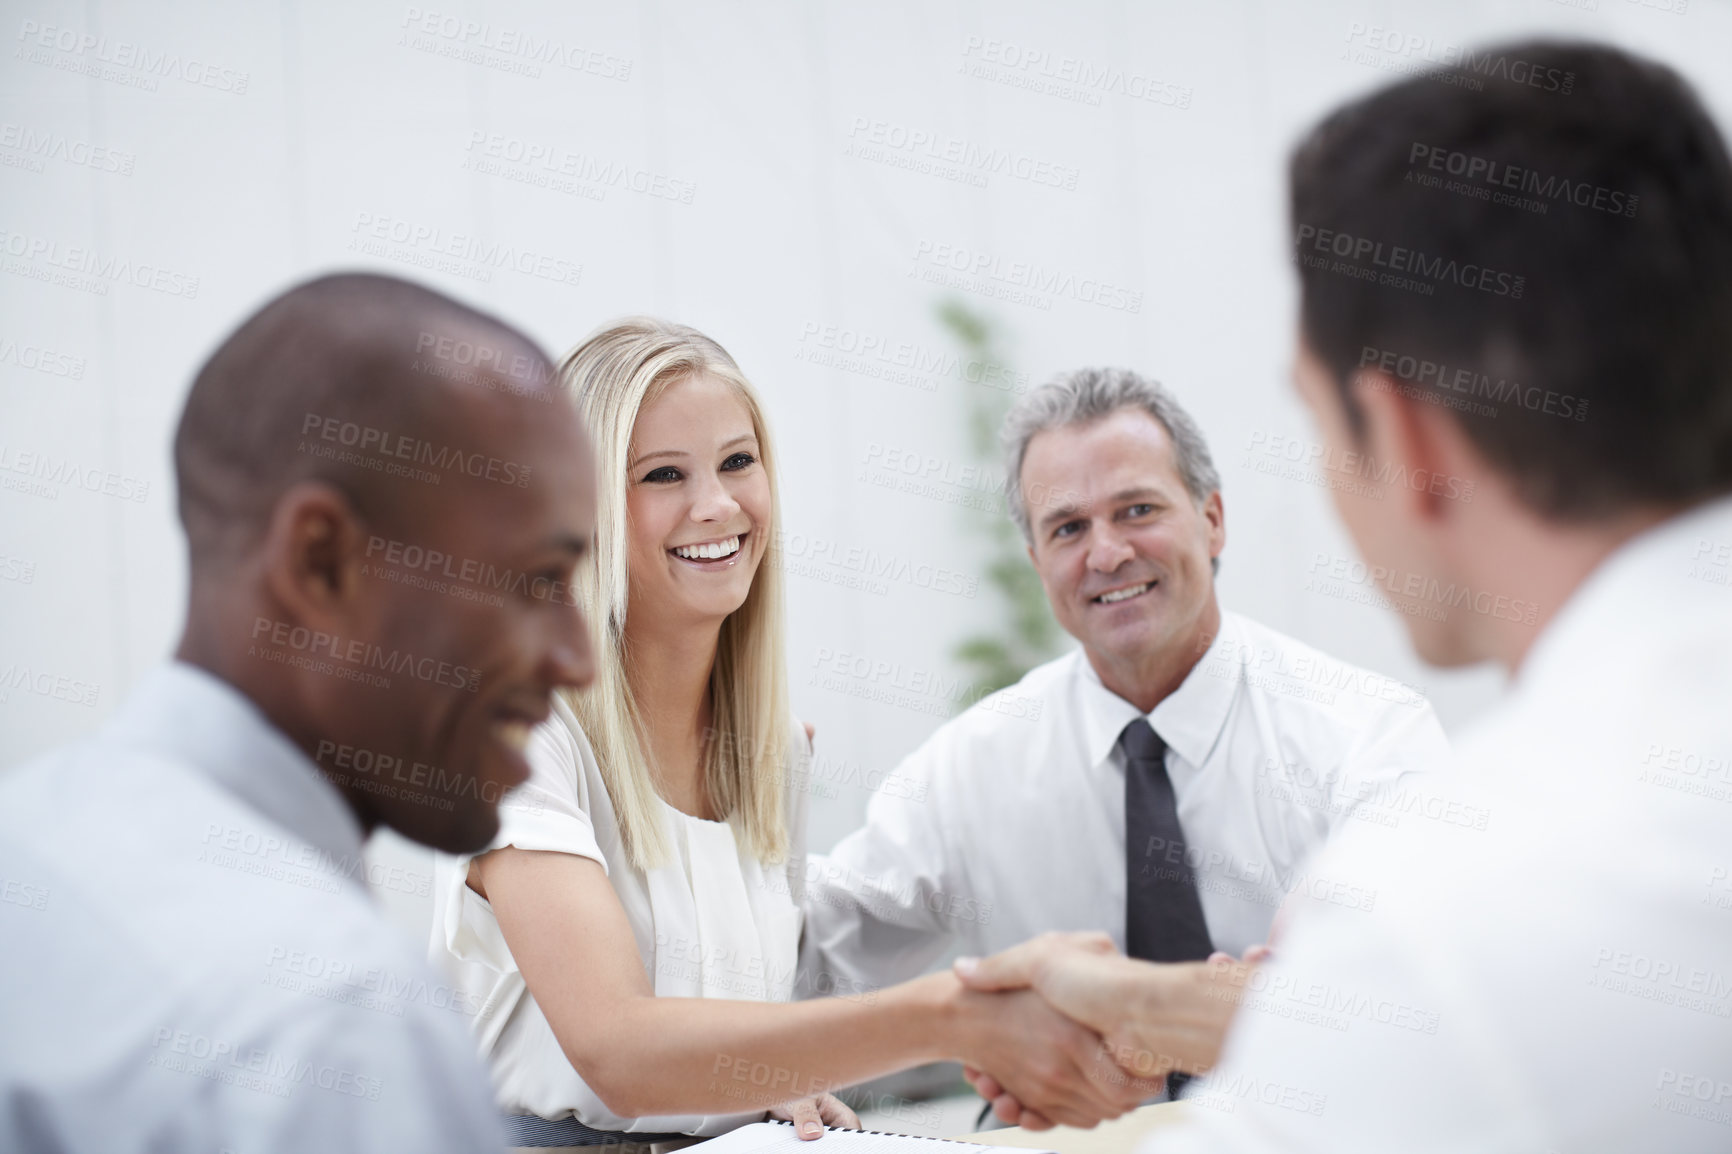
{"x": 889, "y": 1134}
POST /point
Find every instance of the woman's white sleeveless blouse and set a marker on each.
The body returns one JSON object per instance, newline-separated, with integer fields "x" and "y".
{"x": 711, "y": 922}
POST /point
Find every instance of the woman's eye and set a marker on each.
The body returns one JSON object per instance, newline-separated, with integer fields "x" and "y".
{"x": 664, "y": 474}
{"x": 739, "y": 461}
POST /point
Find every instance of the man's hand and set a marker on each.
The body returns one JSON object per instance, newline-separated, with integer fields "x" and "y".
{"x": 1153, "y": 1017}
{"x": 1052, "y": 1070}
{"x": 811, "y": 1115}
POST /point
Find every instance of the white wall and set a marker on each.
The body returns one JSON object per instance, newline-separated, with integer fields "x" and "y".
{"x": 253, "y": 167}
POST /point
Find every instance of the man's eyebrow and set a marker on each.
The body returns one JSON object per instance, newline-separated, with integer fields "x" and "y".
{"x": 1071, "y": 508}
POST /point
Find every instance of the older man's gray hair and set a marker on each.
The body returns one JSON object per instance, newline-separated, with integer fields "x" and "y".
{"x": 1085, "y": 395}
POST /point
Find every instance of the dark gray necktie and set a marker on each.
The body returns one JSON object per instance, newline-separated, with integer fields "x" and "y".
{"x": 1163, "y": 915}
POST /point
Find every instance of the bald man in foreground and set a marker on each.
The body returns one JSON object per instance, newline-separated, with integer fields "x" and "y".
{"x": 380, "y": 610}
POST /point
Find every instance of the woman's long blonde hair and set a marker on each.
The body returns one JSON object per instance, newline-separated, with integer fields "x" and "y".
{"x": 613, "y": 374}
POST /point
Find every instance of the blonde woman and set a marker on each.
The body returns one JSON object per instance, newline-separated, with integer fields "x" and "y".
{"x": 629, "y": 942}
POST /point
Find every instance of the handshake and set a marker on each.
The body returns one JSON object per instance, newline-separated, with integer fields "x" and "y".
{"x": 1065, "y": 1030}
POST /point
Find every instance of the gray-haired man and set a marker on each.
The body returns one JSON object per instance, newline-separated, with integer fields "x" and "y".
{"x": 1168, "y": 783}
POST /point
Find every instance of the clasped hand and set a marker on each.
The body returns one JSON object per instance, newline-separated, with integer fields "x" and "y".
{"x": 1107, "y": 1030}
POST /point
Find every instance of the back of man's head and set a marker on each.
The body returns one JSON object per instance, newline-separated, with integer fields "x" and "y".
{"x": 1541, "y": 240}
{"x": 384, "y": 494}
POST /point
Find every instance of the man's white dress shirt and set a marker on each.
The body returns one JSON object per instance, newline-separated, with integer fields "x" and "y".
{"x": 711, "y": 922}
{"x": 1560, "y": 979}
{"x": 1010, "y": 820}
{"x": 190, "y": 959}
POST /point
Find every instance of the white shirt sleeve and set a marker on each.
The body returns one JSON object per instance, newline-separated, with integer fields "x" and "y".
{"x": 552, "y": 810}
{"x": 874, "y": 904}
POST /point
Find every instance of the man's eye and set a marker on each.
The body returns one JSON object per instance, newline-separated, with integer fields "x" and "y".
{"x": 739, "y": 461}
{"x": 663, "y": 475}
{"x": 1139, "y": 510}
{"x": 1068, "y": 529}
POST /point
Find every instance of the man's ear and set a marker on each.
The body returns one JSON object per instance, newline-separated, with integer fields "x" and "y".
{"x": 1216, "y": 514}
{"x": 1424, "y": 451}
{"x": 313, "y": 552}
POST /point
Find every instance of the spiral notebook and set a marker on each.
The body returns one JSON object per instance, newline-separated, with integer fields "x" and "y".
{"x": 779, "y": 1138}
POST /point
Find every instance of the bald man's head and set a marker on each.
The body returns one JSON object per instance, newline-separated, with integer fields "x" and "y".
{"x": 338, "y": 379}
{"x": 386, "y": 495}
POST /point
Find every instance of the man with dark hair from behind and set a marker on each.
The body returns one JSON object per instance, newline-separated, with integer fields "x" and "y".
{"x": 379, "y": 611}
{"x": 1552, "y": 318}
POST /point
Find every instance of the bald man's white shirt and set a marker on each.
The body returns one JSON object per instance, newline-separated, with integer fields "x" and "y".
{"x": 1010, "y": 820}
{"x": 190, "y": 959}
{"x": 1560, "y": 980}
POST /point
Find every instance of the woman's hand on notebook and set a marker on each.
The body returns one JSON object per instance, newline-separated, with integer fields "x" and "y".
{"x": 811, "y": 1115}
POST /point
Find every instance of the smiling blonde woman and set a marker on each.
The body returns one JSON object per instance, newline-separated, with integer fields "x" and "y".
{"x": 630, "y": 940}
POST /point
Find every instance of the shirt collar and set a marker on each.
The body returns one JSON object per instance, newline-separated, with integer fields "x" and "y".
{"x": 1189, "y": 719}
{"x": 1645, "y": 589}
{"x": 185, "y": 713}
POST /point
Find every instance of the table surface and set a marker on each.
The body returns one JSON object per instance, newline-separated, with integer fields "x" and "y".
{"x": 1119, "y": 1136}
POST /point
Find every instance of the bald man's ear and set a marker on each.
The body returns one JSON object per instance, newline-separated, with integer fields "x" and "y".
{"x": 313, "y": 552}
